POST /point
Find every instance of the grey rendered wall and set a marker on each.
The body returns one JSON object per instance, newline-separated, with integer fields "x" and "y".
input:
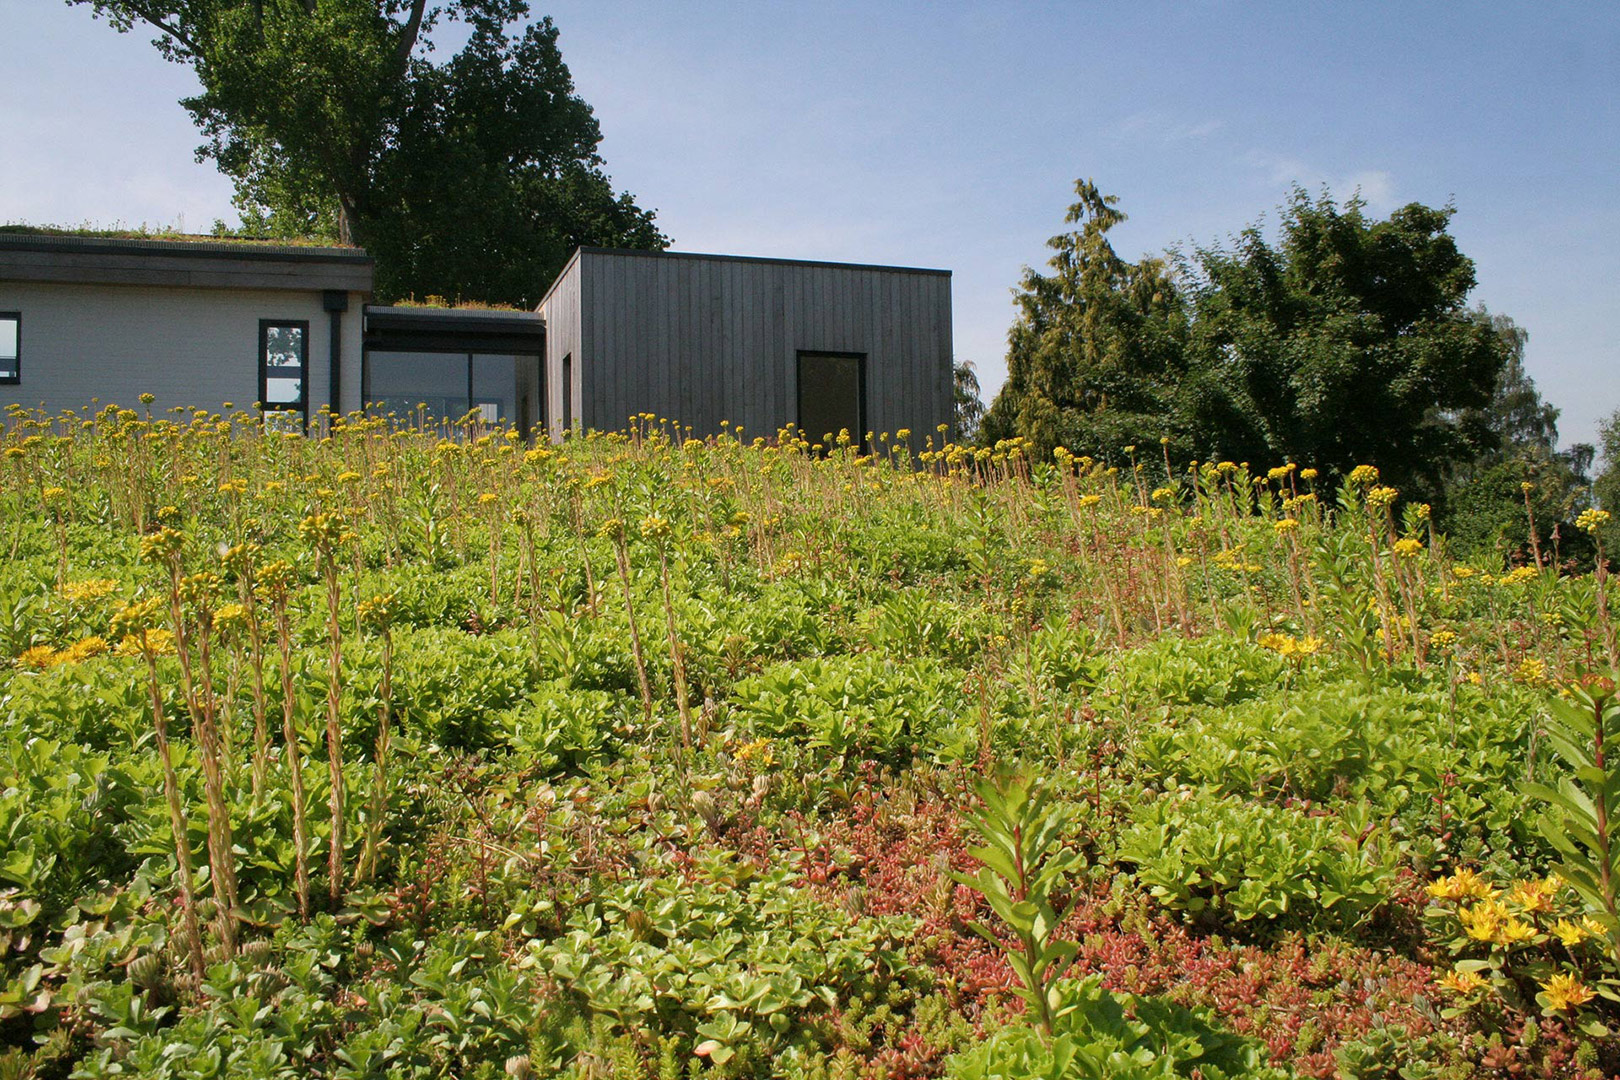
{"x": 561, "y": 310}
{"x": 195, "y": 347}
{"x": 701, "y": 340}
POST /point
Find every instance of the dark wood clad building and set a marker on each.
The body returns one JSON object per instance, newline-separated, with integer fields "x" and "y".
{"x": 761, "y": 343}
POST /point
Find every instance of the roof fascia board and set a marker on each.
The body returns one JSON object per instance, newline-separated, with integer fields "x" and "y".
{"x": 192, "y": 271}
{"x": 640, "y": 254}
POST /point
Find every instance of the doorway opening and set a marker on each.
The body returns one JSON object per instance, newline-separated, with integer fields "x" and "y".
{"x": 832, "y": 398}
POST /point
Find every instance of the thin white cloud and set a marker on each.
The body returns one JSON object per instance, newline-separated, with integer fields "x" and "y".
{"x": 1164, "y": 129}
{"x": 1376, "y": 186}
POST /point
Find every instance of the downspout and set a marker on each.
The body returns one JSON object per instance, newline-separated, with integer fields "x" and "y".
{"x": 336, "y": 302}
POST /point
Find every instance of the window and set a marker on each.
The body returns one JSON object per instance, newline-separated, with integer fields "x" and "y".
{"x": 283, "y": 373}
{"x": 416, "y": 386}
{"x": 10, "y": 346}
{"x": 832, "y": 398}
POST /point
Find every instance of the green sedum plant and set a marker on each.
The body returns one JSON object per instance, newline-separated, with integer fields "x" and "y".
{"x": 1223, "y": 860}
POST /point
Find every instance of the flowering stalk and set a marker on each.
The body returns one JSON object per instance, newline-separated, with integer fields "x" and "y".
{"x": 1526, "y": 487}
{"x": 576, "y": 516}
{"x": 378, "y": 613}
{"x": 137, "y": 621}
{"x": 1025, "y": 866}
{"x": 326, "y": 532}
{"x": 54, "y": 498}
{"x": 657, "y": 529}
{"x": 276, "y": 576}
{"x": 613, "y": 528}
{"x": 1584, "y": 819}
{"x": 166, "y": 547}
{"x": 487, "y": 502}
{"x": 241, "y": 559}
{"x": 1593, "y": 521}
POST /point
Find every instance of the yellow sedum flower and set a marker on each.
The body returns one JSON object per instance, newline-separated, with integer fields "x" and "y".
{"x": 1461, "y": 983}
{"x": 1513, "y": 931}
{"x": 1534, "y": 896}
{"x": 82, "y": 650}
{"x": 1465, "y": 884}
{"x": 1291, "y": 648}
{"x": 1530, "y": 671}
{"x": 1484, "y": 920}
{"x": 1592, "y": 520}
{"x": 1570, "y": 934}
{"x": 83, "y": 592}
{"x": 1564, "y": 991}
{"x": 37, "y": 657}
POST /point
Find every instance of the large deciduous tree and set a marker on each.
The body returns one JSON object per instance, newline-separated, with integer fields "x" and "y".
{"x": 1095, "y": 357}
{"x": 1348, "y": 342}
{"x": 470, "y": 177}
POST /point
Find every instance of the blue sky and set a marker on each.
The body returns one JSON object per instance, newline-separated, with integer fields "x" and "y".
{"x": 949, "y": 135}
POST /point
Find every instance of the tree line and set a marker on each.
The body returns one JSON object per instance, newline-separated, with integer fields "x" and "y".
{"x": 1344, "y": 340}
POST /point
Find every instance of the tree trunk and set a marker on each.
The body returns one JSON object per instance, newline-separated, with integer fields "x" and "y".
{"x": 347, "y": 217}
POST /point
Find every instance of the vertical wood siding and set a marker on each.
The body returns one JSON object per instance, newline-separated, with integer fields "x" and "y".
{"x": 561, "y": 309}
{"x": 706, "y": 340}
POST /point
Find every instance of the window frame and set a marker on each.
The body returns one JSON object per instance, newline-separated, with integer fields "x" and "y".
{"x": 302, "y": 407}
{"x": 16, "y": 362}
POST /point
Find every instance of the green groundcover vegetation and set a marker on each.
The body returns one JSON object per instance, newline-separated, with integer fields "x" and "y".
{"x": 441, "y": 754}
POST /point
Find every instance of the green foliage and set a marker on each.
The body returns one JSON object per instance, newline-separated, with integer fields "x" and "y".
{"x": 559, "y": 726}
{"x": 1226, "y": 861}
{"x": 1398, "y": 750}
{"x": 1583, "y": 817}
{"x": 728, "y": 959}
{"x": 1102, "y": 1035}
{"x": 1517, "y": 474}
{"x": 969, "y": 407}
{"x": 1347, "y": 343}
{"x": 1606, "y": 487}
{"x": 846, "y": 709}
{"x": 560, "y": 883}
{"x": 1173, "y": 671}
{"x": 1026, "y": 869}
{"x": 448, "y": 685}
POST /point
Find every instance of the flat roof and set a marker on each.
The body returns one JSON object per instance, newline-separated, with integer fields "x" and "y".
{"x": 205, "y": 248}
{"x": 761, "y": 259}
{"x": 208, "y": 264}
{"x": 434, "y": 329}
